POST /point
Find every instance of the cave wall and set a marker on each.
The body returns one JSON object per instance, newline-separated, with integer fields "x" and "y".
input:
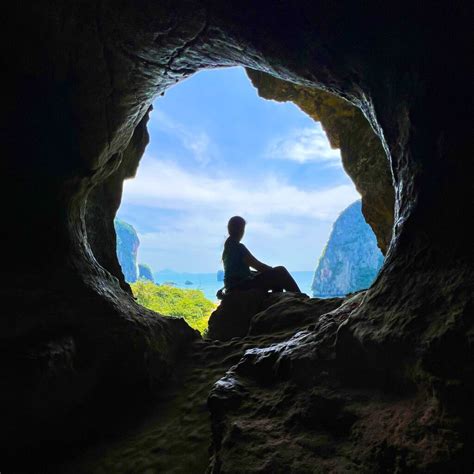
{"x": 81, "y": 77}
{"x": 104, "y": 200}
{"x": 363, "y": 156}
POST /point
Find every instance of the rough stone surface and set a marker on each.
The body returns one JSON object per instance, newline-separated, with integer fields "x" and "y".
{"x": 173, "y": 433}
{"x": 258, "y": 312}
{"x": 298, "y": 406}
{"x": 232, "y": 317}
{"x": 103, "y": 202}
{"x": 363, "y": 156}
{"x": 80, "y": 78}
{"x": 351, "y": 259}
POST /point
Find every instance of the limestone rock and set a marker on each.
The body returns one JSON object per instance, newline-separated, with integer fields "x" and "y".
{"x": 255, "y": 312}
{"x": 297, "y": 404}
{"x": 287, "y": 310}
{"x": 363, "y": 156}
{"x": 232, "y": 316}
{"x": 145, "y": 272}
{"x": 351, "y": 259}
{"x": 127, "y": 248}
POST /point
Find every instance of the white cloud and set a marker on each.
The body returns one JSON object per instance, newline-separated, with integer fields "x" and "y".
{"x": 304, "y": 145}
{"x": 195, "y": 242}
{"x": 286, "y": 224}
{"x": 164, "y": 184}
{"x": 196, "y": 141}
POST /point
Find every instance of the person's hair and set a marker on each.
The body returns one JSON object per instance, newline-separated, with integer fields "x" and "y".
{"x": 234, "y": 227}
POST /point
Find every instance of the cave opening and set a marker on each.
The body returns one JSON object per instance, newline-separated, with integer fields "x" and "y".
{"x": 216, "y": 150}
{"x": 76, "y": 345}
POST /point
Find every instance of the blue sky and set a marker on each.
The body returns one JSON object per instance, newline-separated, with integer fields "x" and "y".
{"x": 216, "y": 150}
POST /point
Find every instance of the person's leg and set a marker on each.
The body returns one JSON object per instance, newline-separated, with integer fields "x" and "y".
{"x": 247, "y": 284}
{"x": 276, "y": 279}
{"x": 285, "y": 280}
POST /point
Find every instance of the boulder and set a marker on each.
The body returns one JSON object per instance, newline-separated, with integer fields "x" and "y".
{"x": 290, "y": 310}
{"x": 232, "y": 316}
{"x": 256, "y": 312}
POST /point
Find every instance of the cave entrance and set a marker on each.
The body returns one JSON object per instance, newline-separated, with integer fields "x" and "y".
{"x": 216, "y": 150}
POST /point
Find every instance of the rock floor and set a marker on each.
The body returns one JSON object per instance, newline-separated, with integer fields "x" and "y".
{"x": 277, "y": 400}
{"x": 175, "y": 436}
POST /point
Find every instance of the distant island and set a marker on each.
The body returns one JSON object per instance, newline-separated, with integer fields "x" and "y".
{"x": 145, "y": 272}
{"x": 351, "y": 259}
{"x": 127, "y": 250}
{"x": 349, "y": 262}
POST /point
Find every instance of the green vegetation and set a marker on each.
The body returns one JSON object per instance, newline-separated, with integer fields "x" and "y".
{"x": 191, "y": 305}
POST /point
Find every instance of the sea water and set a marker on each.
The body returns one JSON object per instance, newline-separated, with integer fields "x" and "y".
{"x": 208, "y": 283}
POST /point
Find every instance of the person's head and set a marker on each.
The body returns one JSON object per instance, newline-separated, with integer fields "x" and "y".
{"x": 236, "y": 227}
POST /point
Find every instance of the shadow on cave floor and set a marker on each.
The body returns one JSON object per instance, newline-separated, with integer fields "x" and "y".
{"x": 176, "y": 434}
{"x": 173, "y": 434}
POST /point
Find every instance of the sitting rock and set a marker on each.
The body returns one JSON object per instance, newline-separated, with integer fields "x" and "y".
{"x": 232, "y": 316}
{"x": 255, "y": 312}
{"x": 291, "y": 310}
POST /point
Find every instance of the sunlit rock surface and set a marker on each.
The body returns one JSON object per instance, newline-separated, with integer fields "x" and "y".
{"x": 351, "y": 259}
{"x": 363, "y": 156}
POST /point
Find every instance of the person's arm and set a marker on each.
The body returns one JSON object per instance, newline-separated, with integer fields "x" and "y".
{"x": 251, "y": 261}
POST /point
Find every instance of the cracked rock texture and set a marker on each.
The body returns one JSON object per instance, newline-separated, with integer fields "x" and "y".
{"x": 80, "y": 78}
{"x": 297, "y": 406}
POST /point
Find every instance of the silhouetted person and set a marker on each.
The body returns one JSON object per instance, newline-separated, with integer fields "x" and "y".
{"x": 237, "y": 262}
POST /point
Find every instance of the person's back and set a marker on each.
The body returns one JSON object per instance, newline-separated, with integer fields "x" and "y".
{"x": 235, "y": 268}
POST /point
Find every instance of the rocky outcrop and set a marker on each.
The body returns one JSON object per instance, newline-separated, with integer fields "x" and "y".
{"x": 290, "y": 401}
{"x": 363, "y": 156}
{"x": 174, "y": 435}
{"x": 351, "y": 260}
{"x": 232, "y": 316}
{"x": 88, "y": 72}
{"x": 127, "y": 249}
{"x": 104, "y": 200}
{"x": 243, "y": 313}
{"x": 301, "y": 403}
{"x": 145, "y": 272}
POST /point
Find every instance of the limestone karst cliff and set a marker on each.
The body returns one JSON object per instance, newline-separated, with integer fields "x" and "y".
{"x": 127, "y": 249}
{"x": 127, "y": 252}
{"x": 145, "y": 272}
{"x": 351, "y": 259}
